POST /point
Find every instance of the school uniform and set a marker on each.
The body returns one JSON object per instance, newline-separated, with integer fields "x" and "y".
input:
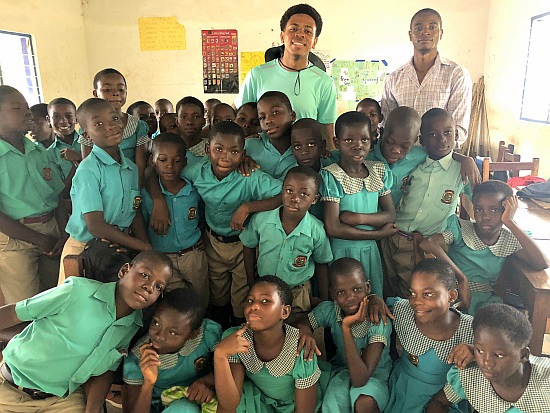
{"x": 101, "y": 184}
{"x": 471, "y": 384}
{"x": 54, "y": 153}
{"x": 421, "y": 370}
{"x": 479, "y": 262}
{"x": 360, "y": 196}
{"x": 269, "y": 387}
{"x": 290, "y": 257}
{"x": 184, "y": 233}
{"x": 195, "y": 153}
{"x": 74, "y": 335}
{"x": 178, "y": 369}
{"x": 224, "y": 249}
{"x": 271, "y": 161}
{"x": 429, "y": 198}
{"x": 317, "y": 209}
{"x": 29, "y": 189}
{"x": 134, "y": 134}
{"x": 340, "y": 396}
{"x": 401, "y": 169}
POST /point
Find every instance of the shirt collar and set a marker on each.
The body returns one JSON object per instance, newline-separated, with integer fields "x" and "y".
{"x": 186, "y": 190}
{"x": 108, "y": 159}
{"x": 303, "y": 227}
{"x": 55, "y": 142}
{"x": 445, "y": 162}
{"x": 198, "y": 148}
{"x": 6, "y": 147}
{"x": 106, "y": 293}
{"x": 506, "y": 244}
{"x": 359, "y": 330}
{"x": 268, "y": 144}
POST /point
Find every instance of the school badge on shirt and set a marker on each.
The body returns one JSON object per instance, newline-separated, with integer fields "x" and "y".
{"x": 448, "y": 196}
{"x": 47, "y": 174}
{"x": 192, "y": 213}
{"x": 137, "y": 202}
{"x": 300, "y": 261}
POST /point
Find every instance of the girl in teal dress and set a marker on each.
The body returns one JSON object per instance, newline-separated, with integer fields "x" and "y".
{"x": 479, "y": 249}
{"x": 505, "y": 377}
{"x": 428, "y": 329}
{"x": 256, "y": 367}
{"x": 358, "y": 207}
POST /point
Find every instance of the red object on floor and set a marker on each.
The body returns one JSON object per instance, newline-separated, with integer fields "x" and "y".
{"x": 524, "y": 180}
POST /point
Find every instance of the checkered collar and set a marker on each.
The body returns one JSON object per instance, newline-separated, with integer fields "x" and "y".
{"x": 280, "y": 365}
{"x": 506, "y": 245}
{"x": 359, "y": 330}
{"x": 535, "y": 398}
{"x": 198, "y": 148}
{"x": 372, "y": 183}
{"x": 168, "y": 361}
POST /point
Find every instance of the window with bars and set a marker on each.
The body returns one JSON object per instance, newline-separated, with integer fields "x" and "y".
{"x": 18, "y": 65}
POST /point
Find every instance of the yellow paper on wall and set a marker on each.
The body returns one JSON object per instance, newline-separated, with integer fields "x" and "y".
{"x": 161, "y": 33}
{"x": 250, "y": 60}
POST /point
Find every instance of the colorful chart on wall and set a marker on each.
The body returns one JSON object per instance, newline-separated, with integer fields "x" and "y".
{"x": 161, "y": 33}
{"x": 250, "y": 60}
{"x": 220, "y": 67}
{"x": 358, "y": 79}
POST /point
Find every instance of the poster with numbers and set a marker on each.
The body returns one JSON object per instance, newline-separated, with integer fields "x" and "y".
{"x": 220, "y": 67}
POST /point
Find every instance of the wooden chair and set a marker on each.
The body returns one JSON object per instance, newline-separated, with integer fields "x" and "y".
{"x": 513, "y": 167}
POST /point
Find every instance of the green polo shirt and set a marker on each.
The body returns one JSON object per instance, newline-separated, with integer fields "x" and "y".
{"x": 290, "y": 257}
{"x": 54, "y": 153}
{"x": 29, "y": 183}
{"x": 74, "y": 335}
{"x": 222, "y": 198}
{"x": 102, "y": 184}
{"x": 431, "y": 196}
{"x": 401, "y": 169}
{"x": 268, "y": 157}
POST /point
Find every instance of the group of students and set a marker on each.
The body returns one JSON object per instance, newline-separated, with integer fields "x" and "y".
{"x": 251, "y": 222}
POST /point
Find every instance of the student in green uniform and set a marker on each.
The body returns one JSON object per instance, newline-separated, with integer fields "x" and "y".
{"x": 371, "y": 108}
{"x": 41, "y": 130}
{"x": 175, "y": 352}
{"x": 272, "y": 149}
{"x": 222, "y": 112}
{"x": 145, "y": 112}
{"x": 290, "y": 243}
{"x": 505, "y": 377}
{"x": 256, "y": 368}
{"x": 190, "y": 121}
{"x": 105, "y": 192}
{"x": 32, "y": 220}
{"x": 184, "y": 242}
{"x": 79, "y": 333}
{"x": 478, "y": 249}
{"x": 229, "y": 199}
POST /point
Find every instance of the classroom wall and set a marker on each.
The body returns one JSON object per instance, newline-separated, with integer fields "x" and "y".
{"x": 58, "y": 30}
{"x": 505, "y": 62}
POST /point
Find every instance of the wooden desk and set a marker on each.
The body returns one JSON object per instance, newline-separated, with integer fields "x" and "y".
{"x": 531, "y": 285}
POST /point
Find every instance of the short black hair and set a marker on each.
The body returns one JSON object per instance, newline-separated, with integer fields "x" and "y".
{"x": 106, "y": 72}
{"x": 61, "y": 101}
{"x": 185, "y": 301}
{"x": 40, "y": 110}
{"x": 344, "y": 266}
{"x": 168, "y": 137}
{"x": 227, "y": 127}
{"x": 274, "y": 94}
{"x": 213, "y": 100}
{"x": 222, "y": 106}
{"x": 136, "y": 105}
{"x": 435, "y": 113}
{"x": 87, "y": 106}
{"x": 370, "y": 100}
{"x": 348, "y": 119}
{"x": 157, "y": 256}
{"x": 5, "y": 91}
{"x": 303, "y": 9}
{"x": 427, "y": 11}
{"x": 308, "y": 172}
{"x": 492, "y": 187}
{"x": 441, "y": 269}
{"x": 311, "y": 125}
{"x": 507, "y": 319}
{"x": 251, "y": 105}
{"x": 190, "y": 100}
{"x": 283, "y": 289}
{"x": 402, "y": 118}
{"x": 163, "y": 100}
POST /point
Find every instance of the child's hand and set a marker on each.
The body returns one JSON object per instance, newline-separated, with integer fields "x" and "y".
{"x": 58, "y": 247}
{"x": 238, "y": 218}
{"x": 461, "y": 355}
{"x": 247, "y": 166}
{"x": 307, "y": 341}
{"x": 160, "y": 218}
{"x": 388, "y": 230}
{"x": 469, "y": 171}
{"x": 233, "y": 344}
{"x": 149, "y": 363}
{"x": 46, "y": 243}
{"x": 359, "y": 316}
{"x": 510, "y": 205}
{"x": 377, "y": 309}
{"x": 71, "y": 155}
{"x": 200, "y": 392}
{"x": 350, "y": 218}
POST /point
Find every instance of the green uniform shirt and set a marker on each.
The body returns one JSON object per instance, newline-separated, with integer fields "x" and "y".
{"x": 29, "y": 183}
{"x": 74, "y": 335}
{"x": 268, "y": 157}
{"x": 54, "y": 153}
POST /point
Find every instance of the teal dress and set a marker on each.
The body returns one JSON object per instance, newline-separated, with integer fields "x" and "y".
{"x": 178, "y": 369}
{"x": 340, "y": 396}
{"x": 479, "y": 262}
{"x": 269, "y": 387}
{"x": 361, "y": 196}
{"x": 421, "y": 371}
{"x": 470, "y": 384}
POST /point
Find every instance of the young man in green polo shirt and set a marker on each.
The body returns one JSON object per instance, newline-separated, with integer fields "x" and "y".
{"x": 78, "y": 334}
